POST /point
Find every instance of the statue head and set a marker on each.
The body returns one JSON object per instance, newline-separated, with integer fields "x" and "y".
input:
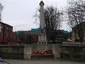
{"x": 41, "y": 3}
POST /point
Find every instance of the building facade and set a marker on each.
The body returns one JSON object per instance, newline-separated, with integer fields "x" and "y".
{"x": 5, "y": 33}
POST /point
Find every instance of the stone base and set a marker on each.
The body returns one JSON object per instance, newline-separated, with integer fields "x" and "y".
{"x": 56, "y": 50}
{"x": 44, "y": 57}
{"x": 42, "y": 47}
{"x": 27, "y": 56}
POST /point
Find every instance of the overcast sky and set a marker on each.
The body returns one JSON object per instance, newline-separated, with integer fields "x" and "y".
{"x": 20, "y": 13}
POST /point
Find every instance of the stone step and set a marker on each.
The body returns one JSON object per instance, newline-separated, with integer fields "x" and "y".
{"x": 42, "y": 57}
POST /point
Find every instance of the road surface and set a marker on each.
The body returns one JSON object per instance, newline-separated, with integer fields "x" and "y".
{"x": 42, "y": 62}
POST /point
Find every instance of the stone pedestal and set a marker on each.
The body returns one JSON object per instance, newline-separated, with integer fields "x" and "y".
{"x": 42, "y": 33}
{"x": 42, "y": 38}
{"x": 56, "y": 50}
{"x": 27, "y": 51}
{"x": 43, "y": 47}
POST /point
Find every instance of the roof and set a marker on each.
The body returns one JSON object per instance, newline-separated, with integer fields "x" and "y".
{"x": 29, "y": 32}
{"x": 6, "y": 24}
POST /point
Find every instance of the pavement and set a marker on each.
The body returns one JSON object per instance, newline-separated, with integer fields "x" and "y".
{"x": 42, "y": 61}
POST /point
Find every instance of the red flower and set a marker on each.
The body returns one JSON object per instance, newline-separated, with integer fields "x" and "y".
{"x": 43, "y": 53}
{"x": 37, "y": 52}
{"x": 33, "y": 52}
{"x": 48, "y": 52}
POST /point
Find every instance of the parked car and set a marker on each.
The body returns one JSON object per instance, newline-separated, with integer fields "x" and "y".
{"x": 3, "y": 62}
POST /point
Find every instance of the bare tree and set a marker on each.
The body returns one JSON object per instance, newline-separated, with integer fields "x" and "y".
{"x": 52, "y": 18}
{"x": 76, "y": 15}
{"x": 76, "y": 12}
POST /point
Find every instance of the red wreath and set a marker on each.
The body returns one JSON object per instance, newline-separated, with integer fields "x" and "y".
{"x": 45, "y": 52}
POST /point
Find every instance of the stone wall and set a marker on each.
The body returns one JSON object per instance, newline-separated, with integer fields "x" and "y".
{"x": 11, "y": 52}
